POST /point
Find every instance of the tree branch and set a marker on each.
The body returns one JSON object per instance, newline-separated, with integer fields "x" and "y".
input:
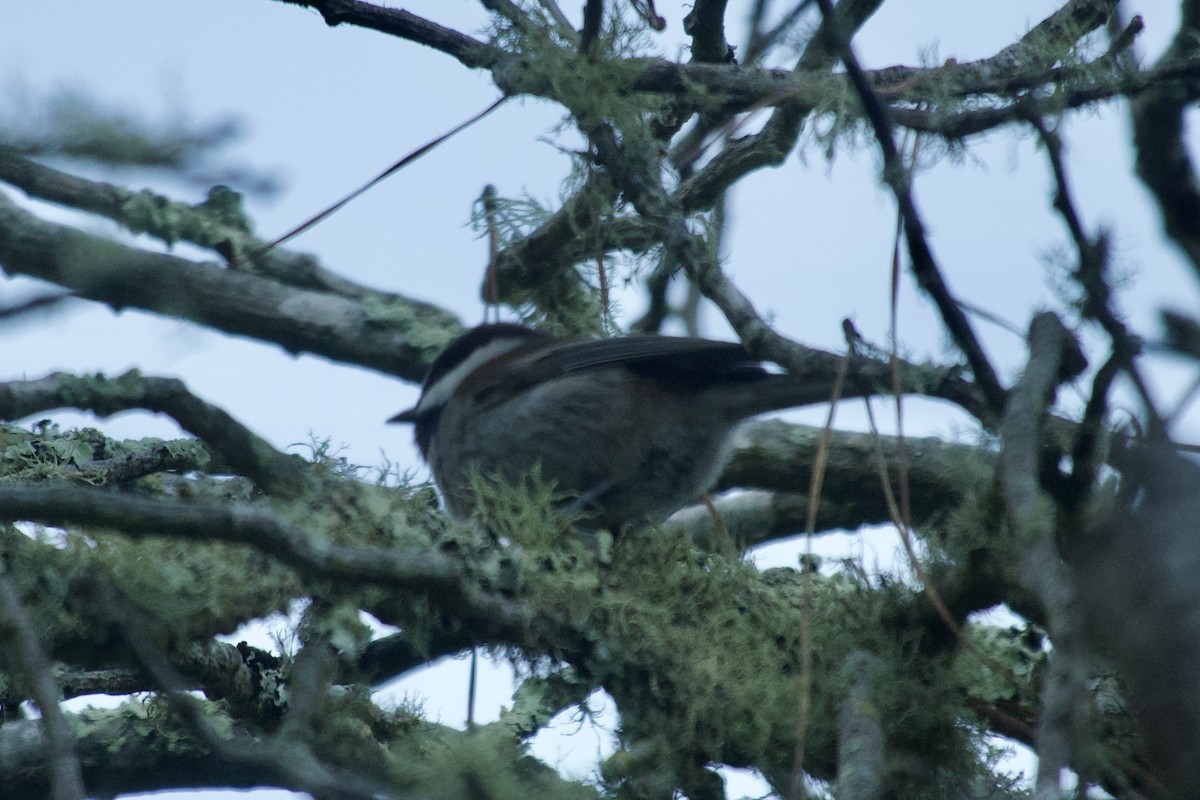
{"x": 1053, "y": 355}
{"x": 210, "y": 224}
{"x": 1141, "y": 605}
{"x": 248, "y": 454}
{"x": 411, "y": 569}
{"x": 1092, "y": 276}
{"x": 779, "y": 456}
{"x": 245, "y": 677}
{"x": 373, "y": 336}
{"x": 66, "y": 781}
{"x": 705, "y": 23}
{"x": 1163, "y": 161}
{"x": 181, "y": 455}
{"x": 288, "y": 757}
{"x": 384, "y": 659}
{"x": 398, "y": 22}
{"x": 115, "y": 749}
{"x": 862, "y": 764}
{"x": 925, "y": 268}
{"x": 775, "y": 140}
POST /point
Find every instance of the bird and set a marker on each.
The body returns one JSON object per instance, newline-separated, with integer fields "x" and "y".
{"x": 633, "y": 428}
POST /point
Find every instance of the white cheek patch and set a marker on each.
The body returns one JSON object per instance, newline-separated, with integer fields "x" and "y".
{"x": 444, "y": 387}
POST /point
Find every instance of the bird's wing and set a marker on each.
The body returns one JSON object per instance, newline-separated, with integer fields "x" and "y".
{"x": 680, "y": 359}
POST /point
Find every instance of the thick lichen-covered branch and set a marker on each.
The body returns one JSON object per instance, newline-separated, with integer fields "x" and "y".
{"x": 218, "y": 223}
{"x": 255, "y": 525}
{"x": 399, "y": 338}
{"x": 237, "y": 446}
{"x": 144, "y": 746}
{"x": 778, "y": 456}
{"x": 651, "y": 620}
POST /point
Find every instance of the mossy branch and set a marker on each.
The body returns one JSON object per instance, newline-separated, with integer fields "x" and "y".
{"x": 398, "y": 337}
{"x": 275, "y": 473}
{"x": 218, "y": 223}
{"x": 410, "y": 568}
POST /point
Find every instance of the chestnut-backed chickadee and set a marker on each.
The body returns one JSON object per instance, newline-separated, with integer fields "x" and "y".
{"x": 634, "y": 427}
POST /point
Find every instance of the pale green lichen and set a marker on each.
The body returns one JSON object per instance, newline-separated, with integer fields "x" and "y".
{"x": 219, "y": 221}
{"x": 88, "y": 456}
{"x": 444, "y": 764}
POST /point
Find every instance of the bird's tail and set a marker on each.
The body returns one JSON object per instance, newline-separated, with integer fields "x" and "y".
{"x": 775, "y": 392}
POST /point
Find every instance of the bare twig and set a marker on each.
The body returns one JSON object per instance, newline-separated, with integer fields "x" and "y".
{"x": 593, "y": 20}
{"x": 805, "y": 676}
{"x": 1091, "y": 275}
{"x": 924, "y": 266}
{"x": 490, "y": 289}
{"x": 900, "y": 517}
{"x": 649, "y": 14}
{"x": 705, "y": 23}
{"x": 398, "y": 22}
{"x": 560, "y": 19}
{"x": 760, "y": 40}
{"x": 1089, "y": 438}
{"x": 393, "y": 169}
{"x": 519, "y": 17}
{"x": 412, "y": 569}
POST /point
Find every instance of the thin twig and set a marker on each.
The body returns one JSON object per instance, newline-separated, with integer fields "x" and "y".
{"x": 398, "y": 22}
{"x": 394, "y": 168}
{"x": 804, "y": 691}
{"x": 900, "y": 513}
{"x": 924, "y": 266}
{"x": 38, "y": 305}
{"x": 491, "y": 277}
{"x": 1092, "y": 276}
{"x": 1085, "y": 465}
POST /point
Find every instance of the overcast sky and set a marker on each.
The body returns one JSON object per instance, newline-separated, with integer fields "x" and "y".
{"x": 325, "y": 109}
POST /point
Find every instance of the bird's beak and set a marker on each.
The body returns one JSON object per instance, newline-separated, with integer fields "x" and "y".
{"x": 405, "y": 416}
